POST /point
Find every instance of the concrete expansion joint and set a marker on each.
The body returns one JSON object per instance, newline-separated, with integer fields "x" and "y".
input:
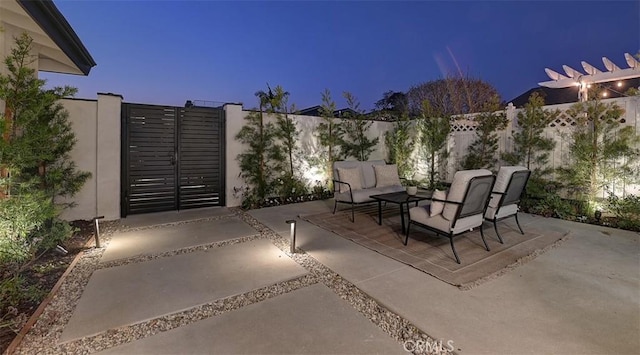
{"x": 203, "y": 247}
{"x": 125, "y": 228}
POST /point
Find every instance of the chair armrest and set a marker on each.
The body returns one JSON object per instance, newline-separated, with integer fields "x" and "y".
{"x": 340, "y": 182}
{"x": 446, "y": 201}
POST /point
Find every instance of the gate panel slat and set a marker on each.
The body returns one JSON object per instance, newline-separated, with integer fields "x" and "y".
{"x": 200, "y": 163}
{"x": 151, "y": 150}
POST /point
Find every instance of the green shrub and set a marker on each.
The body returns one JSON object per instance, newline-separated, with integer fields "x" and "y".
{"x": 23, "y": 218}
{"x": 321, "y": 191}
{"x": 541, "y": 197}
{"x": 289, "y": 186}
{"x": 56, "y": 231}
{"x": 626, "y": 211}
{"x": 14, "y": 291}
{"x": 549, "y": 206}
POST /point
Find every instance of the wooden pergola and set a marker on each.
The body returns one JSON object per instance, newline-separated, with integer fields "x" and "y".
{"x": 592, "y": 75}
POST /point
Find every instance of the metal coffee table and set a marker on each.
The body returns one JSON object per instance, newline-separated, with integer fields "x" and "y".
{"x": 400, "y": 198}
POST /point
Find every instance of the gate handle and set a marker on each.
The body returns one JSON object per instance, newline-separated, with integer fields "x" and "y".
{"x": 173, "y": 158}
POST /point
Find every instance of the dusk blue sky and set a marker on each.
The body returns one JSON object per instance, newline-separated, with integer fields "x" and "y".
{"x": 167, "y": 52}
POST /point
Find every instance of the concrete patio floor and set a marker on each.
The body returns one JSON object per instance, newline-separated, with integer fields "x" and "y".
{"x": 218, "y": 285}
{"x": 580, "y": 298}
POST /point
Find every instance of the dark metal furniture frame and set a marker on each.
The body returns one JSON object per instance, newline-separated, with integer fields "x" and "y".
{"x": 511, "y": 195}
{"x": 353, "y": 204}
{"x": 464, "y": 210}
{"x": 401, "y": 198}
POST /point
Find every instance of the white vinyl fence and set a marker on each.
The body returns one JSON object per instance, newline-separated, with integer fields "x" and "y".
{"x": 559, "y": 130}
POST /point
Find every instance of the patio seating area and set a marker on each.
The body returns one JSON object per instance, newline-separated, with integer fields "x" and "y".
{"x": 222, "y": 281}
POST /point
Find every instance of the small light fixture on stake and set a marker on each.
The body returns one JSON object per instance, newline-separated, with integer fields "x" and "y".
{"x": 97, "y": 230}
{"x": 292, "y": 222}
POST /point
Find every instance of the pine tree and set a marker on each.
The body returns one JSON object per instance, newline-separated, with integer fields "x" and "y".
{"x": 354, "y": 128}
{"x": 482, "y": 152}
{"x": 261, "y": 162}
{"x": 36, "y": 141}
{"x": 400, "y": 145}
{"x": 531, "y": 149}
{"x": 433, "y": 128}
{"x": 329, "y": 135}
{"x": 602, "y": 151}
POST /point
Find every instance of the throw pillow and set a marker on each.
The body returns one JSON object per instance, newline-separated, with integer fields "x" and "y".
{"x": 437, "y": 206}
{"x": 351, "y": 176}
{"x": 386, "y": 175}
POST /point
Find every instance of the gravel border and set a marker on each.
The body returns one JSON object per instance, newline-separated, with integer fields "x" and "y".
{"x": 49, "y": 326}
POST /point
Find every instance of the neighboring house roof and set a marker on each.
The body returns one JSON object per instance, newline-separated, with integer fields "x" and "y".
{"x": 310, "y": 111}
{"x": 570, "y": 94}
{"x": 59, "y": 48}
{"x": 315, "y": 111}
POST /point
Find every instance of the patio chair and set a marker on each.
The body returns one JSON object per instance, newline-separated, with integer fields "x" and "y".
{"x": 505, "y": 197}
{"x": 462, "y": 209}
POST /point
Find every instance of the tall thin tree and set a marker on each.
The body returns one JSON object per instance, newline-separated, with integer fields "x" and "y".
{"x": 433, "y": 128}
{"x": 355, "y": 127}
{"x": 329, "y": 135}
{"x": 530, "y": 147}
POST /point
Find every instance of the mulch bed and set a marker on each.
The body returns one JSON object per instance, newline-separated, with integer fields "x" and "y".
{"x": 55, "y": 265}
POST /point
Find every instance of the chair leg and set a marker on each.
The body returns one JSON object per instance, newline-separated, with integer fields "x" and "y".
{"x": 518, "y": 223}
{"x": 353, "y": 213}
{"x": 454, "y": 250}
{"x": 495, "y": 226}
{"x": 486, "y": 246}
{"x": 335, "y": 206}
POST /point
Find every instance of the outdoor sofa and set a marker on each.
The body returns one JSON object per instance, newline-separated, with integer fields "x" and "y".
{"x": 355, "y": 181}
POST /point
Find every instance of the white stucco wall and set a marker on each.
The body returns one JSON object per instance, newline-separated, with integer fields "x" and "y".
{"x": 96, "y": 124}
{"x": 83, "y": 117}
{"x": 234, "y": 119}
{"x": 308, "y": 143}
{"x": 108, "y": 156}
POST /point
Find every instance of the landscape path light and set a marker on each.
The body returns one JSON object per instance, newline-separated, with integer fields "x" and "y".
{"x": 292, "y": 222}
{"x": 97, "y": 230}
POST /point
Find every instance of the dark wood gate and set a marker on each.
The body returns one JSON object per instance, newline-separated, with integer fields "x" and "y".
{"x": 172, "y": 158}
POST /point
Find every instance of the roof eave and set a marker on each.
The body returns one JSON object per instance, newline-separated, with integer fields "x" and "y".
{"x": 48, "y": 17}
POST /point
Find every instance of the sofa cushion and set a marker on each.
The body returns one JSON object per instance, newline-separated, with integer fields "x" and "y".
{"x": 368, "y": 175}
{"x": 386, "y": 175}
{"x": 363, "y": 195}
{"x": 351, "y": 176}
{"x": 458, "y": 189}
{"x": 359, "y": 196}
{"x": 502, "y": 180}
{"x": 467, "y": 223}
{"x": 421, "y": 215}
{"x": 504, "y": 211}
